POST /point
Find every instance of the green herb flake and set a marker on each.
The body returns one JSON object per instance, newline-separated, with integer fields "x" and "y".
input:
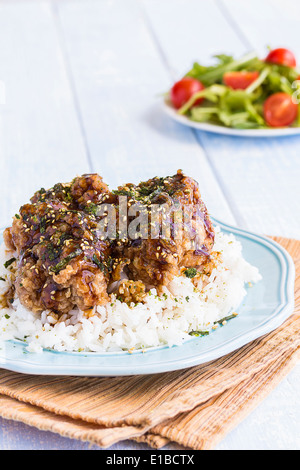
{"x": 9, "y": 262}
{"x": 92, "y": 209}
{"x": 199, "y": 333}
{"x": 63, "y": 263}
{"x": 225, "y": 319}
{"x": 190, "y": 272}
{"x": 98, "y": 262}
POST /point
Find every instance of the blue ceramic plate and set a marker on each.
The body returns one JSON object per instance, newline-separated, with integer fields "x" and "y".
{"x": 266, "y": 306}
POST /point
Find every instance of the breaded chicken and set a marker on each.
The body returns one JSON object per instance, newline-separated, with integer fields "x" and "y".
{"x": 61, "y": 262}
{"x": 66, "y": 260}
{"x": 186, "y": 234}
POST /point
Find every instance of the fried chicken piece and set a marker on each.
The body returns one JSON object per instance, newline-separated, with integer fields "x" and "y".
{"x": 65, "y": 260}
{"x": 186, "y": 234}
{"x": 62, "y": 263}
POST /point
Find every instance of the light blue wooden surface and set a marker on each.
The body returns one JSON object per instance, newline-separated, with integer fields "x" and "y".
{"x": 83, "y": 80}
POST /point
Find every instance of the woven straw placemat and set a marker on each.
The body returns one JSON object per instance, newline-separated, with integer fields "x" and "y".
{"x": 194, "y": 407}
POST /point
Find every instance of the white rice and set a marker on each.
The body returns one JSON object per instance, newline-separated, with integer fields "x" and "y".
{"x": 160, "y": 320}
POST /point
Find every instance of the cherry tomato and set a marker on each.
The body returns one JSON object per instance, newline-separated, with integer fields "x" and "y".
{"x": 183, "y": 90}
{"x": 281, "y": 56}
{"x": 239, "y": 80}
{"x": 280, "y": 110}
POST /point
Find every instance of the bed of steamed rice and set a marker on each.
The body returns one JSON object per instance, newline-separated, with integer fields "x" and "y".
{"x": 161, "y": 320}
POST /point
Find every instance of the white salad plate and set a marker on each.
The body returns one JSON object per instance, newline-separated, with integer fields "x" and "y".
{"x": 265, "y": 307}
{"x": 204, "y": 126}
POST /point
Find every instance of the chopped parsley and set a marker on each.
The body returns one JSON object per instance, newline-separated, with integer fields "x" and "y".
{"x": 190, "y": 272}
{"x": 98, "y": 262}
{"x": 198, "y": 333}
{"x": 53, "y": 252}
{"x": 225, "y": 319}
{"x": 43, "y": 224}
{"x": 92, "y": 209}
{"x": 9, "y": 262}
{"x": 63, "y": 263}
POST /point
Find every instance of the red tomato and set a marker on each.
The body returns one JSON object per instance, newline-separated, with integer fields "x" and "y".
{"x": 281, "y": 56}
{"x": 183, "y": 90}
{"x": 239, "y": 80}
{"x": 280, "y": 110}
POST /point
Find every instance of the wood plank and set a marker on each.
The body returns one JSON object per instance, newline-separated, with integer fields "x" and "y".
{"x": 266, "y": 23}
{"x": 262, "y": 176}
{"x": 189, "y": 32}
{"x": 258, "y": 176}
{"x": 41, "y": 141}
{"x": 119, "y": 77}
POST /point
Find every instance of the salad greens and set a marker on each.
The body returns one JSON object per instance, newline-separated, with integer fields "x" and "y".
{"x": 238, "y": 108}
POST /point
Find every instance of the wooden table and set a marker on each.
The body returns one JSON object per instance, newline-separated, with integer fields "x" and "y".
{"x": 80, "y": 88}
